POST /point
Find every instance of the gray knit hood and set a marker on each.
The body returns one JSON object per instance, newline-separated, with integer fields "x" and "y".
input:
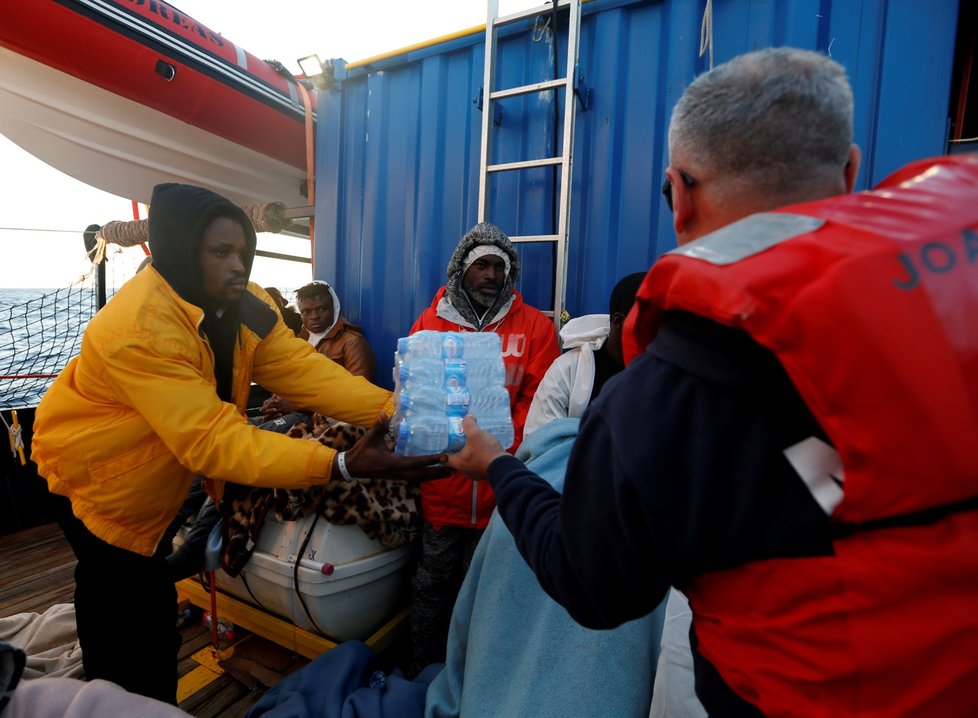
{"x": 480, "y": 234}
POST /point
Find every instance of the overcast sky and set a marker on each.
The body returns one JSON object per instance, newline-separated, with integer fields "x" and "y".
{"x": 38, "y": 197}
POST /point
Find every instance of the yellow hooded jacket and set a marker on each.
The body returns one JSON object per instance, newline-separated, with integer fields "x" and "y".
{"x": 128, "y": 423}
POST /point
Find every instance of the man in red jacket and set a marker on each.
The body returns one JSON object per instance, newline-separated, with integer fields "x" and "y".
{"x": 478, "y": 297}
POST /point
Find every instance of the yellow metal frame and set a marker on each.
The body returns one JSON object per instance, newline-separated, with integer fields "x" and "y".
{"x": 474, "y": 30}
{"x": 207, "y": 671}
{"x": 278, "y": 630}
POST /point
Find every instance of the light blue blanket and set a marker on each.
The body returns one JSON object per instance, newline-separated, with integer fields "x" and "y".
{"x": 513, "y": 651}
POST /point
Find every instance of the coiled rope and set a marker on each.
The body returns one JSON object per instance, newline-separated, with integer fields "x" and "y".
{"x": 267, "y": 217}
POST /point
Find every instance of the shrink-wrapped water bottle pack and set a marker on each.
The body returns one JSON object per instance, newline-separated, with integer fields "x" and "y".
{"x": 439, "y": 377}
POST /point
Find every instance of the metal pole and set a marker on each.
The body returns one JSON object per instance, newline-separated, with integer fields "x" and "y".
{"x": 89, "y": 237}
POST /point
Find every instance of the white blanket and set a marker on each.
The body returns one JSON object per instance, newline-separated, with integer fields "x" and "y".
{"x": 49, "y": 639}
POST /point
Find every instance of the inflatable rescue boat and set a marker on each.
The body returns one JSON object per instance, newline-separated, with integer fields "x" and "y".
{"x": 123, "y": 94}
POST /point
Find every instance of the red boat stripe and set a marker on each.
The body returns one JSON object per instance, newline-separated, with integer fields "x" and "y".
{"x": 163, "y": 40}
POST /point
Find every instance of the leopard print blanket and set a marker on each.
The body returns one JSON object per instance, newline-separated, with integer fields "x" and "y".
{"x": 385, "y": 509}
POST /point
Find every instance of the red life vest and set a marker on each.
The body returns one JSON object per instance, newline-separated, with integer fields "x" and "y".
{"x": 870, "y": 302}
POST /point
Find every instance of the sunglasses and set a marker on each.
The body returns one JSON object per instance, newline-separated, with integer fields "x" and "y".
{"x": 667, "y": 187}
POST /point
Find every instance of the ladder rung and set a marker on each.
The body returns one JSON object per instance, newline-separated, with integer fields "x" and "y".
{"x": 527, "y": 238}
{"x": 529, "y": 12}
{"x": 527, "y": 89}
{"x": 525, "y": 164}
{"x": 547, "y": 313}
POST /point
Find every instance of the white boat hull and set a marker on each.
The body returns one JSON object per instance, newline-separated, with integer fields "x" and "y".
{"x": 126, "y": 148}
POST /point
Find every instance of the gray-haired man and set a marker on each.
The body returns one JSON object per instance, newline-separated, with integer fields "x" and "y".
{"x": 702, "y": 466}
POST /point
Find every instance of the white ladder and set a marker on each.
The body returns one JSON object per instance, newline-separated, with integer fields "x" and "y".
{"x": 564, "y": 160}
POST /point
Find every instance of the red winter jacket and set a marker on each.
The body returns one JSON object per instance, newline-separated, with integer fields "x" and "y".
{"x": 529, "y": 348}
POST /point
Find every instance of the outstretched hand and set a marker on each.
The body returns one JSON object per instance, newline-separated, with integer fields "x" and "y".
{"x": 480, "y": 450}
{"x": 370, "y": 458}
{"x": 275, "y": 406}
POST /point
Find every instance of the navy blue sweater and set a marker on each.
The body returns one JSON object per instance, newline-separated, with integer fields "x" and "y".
{"x": 678, "y": 469}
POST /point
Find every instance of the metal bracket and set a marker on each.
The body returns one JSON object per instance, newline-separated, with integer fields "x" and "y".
{"x": 497, "y": 118}
{"x": 583, "y": 94}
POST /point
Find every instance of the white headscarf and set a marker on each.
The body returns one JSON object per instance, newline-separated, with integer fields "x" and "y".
{"x": 482, "y": 250}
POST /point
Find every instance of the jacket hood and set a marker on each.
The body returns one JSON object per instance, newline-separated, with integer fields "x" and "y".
{"x": 337, "y": 309}
{"x": 590, "y": 329}
{"x": 178, "y": 216}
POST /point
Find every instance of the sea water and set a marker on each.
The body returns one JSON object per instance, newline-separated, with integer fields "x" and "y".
{"x": 40, "y": 331}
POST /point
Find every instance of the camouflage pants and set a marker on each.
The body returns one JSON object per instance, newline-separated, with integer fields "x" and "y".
{"x": 445, "y": 559}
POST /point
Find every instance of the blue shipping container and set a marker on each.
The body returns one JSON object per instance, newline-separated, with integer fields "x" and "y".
{"x": 398, "y": 140}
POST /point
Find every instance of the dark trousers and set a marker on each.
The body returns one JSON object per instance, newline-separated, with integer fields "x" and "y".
{"x": 445, "y": 559}
{"x": 125, "y": 608}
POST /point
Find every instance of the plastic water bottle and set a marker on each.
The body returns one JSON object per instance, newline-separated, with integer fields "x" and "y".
{"x": 487, "y": 384}
{"x": 456, "y": 435}
{"x": 490, "y": 403}
{"x": 484, "y": 361}
{"x": 424, "y": 399}
{"x": 502, "y": 429}
{"x": 225, "y": 629}
{"x": 421, "y": 344}
{"x": 457, "y": 397}
{"x": 420, "y": 371}
{"x": 452, "y": 346}
{"x": 483, "y": 373}
{"x": 482, "y": 345}
{"x": 421, "y": 435}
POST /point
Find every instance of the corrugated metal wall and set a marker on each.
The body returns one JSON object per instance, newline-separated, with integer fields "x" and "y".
{"x": 398, "y": 142}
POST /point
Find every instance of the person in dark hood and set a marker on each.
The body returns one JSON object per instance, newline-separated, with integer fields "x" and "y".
{"x": 478, "y": 297}
{"x": 157, "y": 396}
{"x": 292, "y": 319}
{"x": 204, "y": 246}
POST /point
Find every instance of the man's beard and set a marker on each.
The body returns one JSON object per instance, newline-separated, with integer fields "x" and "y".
{"x": 481, "y": 300}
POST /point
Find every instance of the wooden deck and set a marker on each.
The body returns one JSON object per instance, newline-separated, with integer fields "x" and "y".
{"x": 36, "y": 572}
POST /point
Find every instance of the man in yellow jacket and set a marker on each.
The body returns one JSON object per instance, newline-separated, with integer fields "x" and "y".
{"x": 156, "y": 396}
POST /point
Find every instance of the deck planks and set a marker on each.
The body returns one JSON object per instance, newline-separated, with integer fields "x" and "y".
{"x": 37, "y": 572}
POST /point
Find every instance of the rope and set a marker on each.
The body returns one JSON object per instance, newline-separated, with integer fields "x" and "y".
{"x": 266, "y": 217}
{"x": 135, "y": 215}
{"x": 38, "y": 229}
{"x": 124, "y": 234}
{"x": 16, "y": 437}
{"x": 706, "y": 31}
{"x": 97, "y": 253}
